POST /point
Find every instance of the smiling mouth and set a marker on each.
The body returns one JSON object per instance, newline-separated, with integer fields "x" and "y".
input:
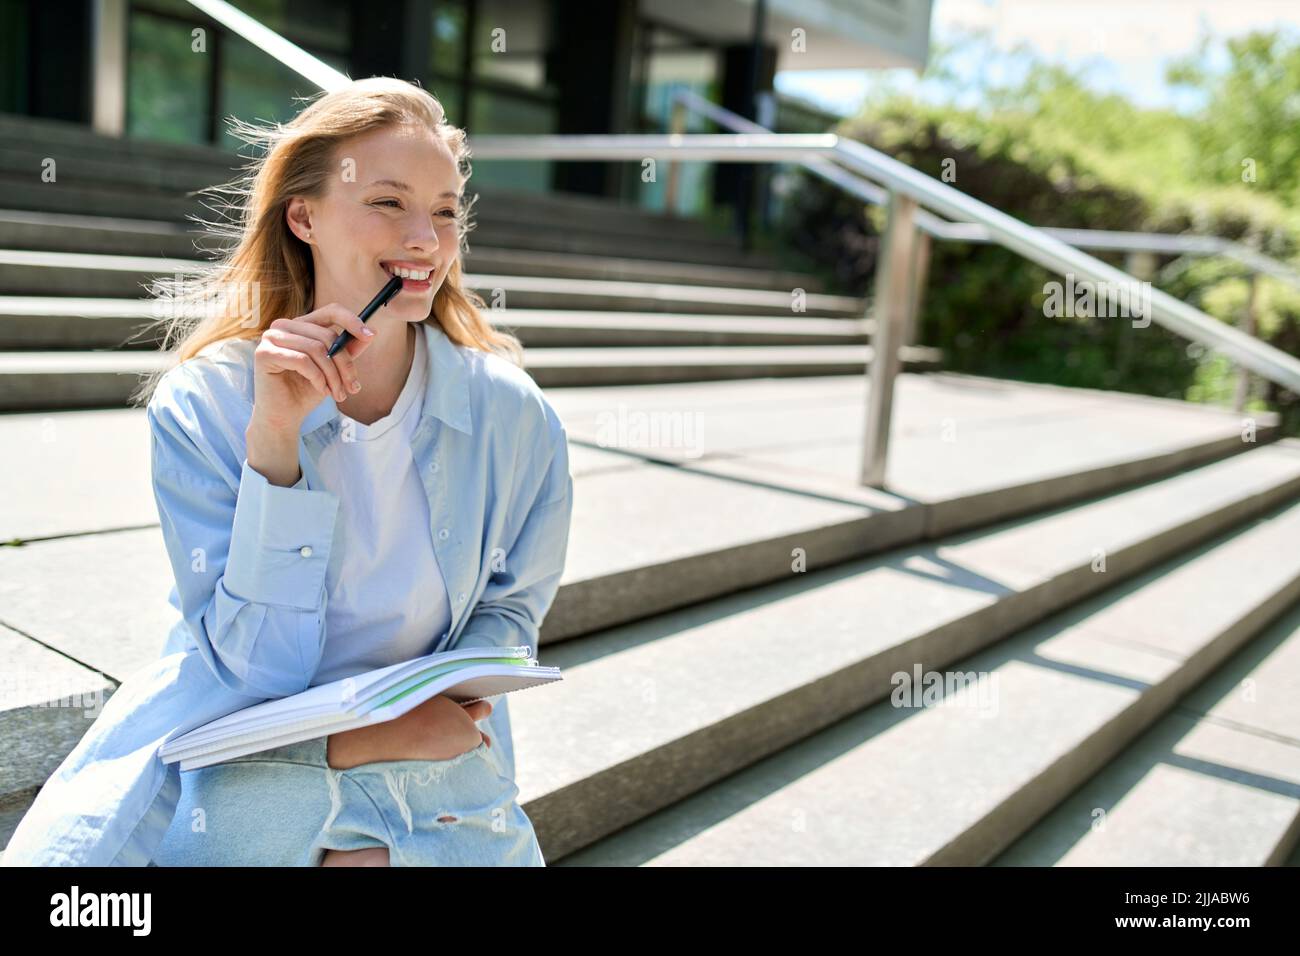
{"x": 413, "y": 276}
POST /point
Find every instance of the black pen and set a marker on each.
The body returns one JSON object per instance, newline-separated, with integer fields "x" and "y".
{"x": 390, "y": 289}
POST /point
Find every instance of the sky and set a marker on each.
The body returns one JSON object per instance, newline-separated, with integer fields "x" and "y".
{"x": 1123, "y": 46}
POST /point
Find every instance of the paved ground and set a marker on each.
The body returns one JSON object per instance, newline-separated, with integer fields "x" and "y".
{"x": 661, "y": 472}
{"x": 665, "y": 474}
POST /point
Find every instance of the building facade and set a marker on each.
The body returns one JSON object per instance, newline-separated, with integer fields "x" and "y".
{"x": 165, "y": 70}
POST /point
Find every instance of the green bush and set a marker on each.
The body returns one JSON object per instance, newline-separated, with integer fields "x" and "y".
{"x": 1052, "y": 152}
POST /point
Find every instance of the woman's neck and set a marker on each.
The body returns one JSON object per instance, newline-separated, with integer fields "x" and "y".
{"x": 382, "y": 369}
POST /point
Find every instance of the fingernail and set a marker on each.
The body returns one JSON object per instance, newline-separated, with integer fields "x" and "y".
{"x": 368, "y": 332}
{"x": 356, "y": 386}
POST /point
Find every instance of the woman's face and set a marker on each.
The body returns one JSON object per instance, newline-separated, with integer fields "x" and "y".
{"x": 392, "y": 205}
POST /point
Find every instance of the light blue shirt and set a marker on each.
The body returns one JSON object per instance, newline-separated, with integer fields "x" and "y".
{"x": 250, "y": 560}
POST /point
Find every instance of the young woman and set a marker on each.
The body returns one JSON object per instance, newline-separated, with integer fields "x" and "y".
{"x": 325, "y": 516}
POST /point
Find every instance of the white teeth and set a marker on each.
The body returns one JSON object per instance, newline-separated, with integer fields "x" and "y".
{"x": 417, "y": 274}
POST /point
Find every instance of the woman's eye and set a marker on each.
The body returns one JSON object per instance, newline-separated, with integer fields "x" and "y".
{"x": 393, "y": 203}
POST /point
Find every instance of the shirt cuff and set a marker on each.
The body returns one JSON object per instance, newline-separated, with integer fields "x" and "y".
{"x": 280, "y": 541}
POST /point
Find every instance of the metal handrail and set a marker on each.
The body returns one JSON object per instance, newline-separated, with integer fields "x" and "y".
{"x": 1031, "y": 243}
{"x": 1058, "y": 257}
{"x": 712, "y": 147}
{"x": 916, "y": 202}
{"x": 305, "y": 64}
{"x": 914, "y": 250}
{"x": 939, "y": 228}
{"x": 934, "y": 227}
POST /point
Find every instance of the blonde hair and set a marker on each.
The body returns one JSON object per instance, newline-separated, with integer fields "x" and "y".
{"x": 268, "y": 271}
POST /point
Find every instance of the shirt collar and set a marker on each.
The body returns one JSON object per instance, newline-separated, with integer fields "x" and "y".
{"x": 446, "y": 393}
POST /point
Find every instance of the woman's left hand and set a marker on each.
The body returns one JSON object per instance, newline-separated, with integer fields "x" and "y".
{"x": 478, "y": 714}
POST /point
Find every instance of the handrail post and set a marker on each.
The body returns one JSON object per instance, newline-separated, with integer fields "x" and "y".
{"x": 1248, "y": 325}
{"x": 894, "y": 296}
{"x": 677, "y": 126}
{"x": 920, "y": 274}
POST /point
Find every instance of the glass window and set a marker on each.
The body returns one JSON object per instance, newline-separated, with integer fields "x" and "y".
{"x": 13, "y": 56}
{"x": 179, "y": 8}
{"x": 664, "y": 61}
{"x": 256, "y": 87}
{"x": 308, "y": 23}
{"x": 446, "y": 50}
{"x": 493, "y": 112}
{"x": 167, "y": 81}
{"x": 448, "y": 93}
{"x": 510, "y": 43}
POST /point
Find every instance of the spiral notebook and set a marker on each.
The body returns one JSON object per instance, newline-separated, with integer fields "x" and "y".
{"x": 465, "y": 675}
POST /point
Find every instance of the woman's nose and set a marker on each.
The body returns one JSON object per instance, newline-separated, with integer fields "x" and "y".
{"x": 423, "y": 236}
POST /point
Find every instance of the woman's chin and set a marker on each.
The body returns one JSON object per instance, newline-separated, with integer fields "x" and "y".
{"x": 411, "y": 308}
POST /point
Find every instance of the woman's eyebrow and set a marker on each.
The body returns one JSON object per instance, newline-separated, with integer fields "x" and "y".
{"x": 397, "y": 184}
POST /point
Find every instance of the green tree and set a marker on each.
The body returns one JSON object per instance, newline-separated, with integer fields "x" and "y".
{"x": 1249, "y": 125}
{"x": 1037, "y": 142}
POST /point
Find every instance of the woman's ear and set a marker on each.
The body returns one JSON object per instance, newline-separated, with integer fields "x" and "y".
{"x": 298, "y": 216}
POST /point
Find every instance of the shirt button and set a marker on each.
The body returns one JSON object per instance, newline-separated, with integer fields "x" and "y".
{"x": 460, "y": 597}
{"x": 305, "y": 551}
{"x": 433, "y": 467}
{"x": 444, "y": 635}
{"x": 443, "y": 534}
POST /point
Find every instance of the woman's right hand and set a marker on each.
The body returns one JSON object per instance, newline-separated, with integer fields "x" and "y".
{"x": 291, "y": 372}
{"x": 436, "y": 729}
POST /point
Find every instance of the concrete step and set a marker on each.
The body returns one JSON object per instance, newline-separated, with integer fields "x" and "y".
{"x": 46, "y": 323}
{"x": 106, "y": 235}
{"x": 617, "y": 574}
{"x": 569, "y": 237}
{"x": 25, "y": 191}
{"x": 685, "y": 459}
{"x": 588, "y": 367}
{"x": 129, "y": 188}
{"x": 25, "y": 272}
{"x": 37, "y": 162}
{"x": 505, "y": 261}
{"x": 538, "y": 292}
{"x": 613, "y": 216}
{"x": 74, "y": 138}
{"x": 565, "y": 212}
{"x": 125, "y": 178}
{"x": 1216, "y": 782}
{"x": 494, "y": 246}
{"x": 782, "y": 729}
{"x": 36, "y": 273}
{"x": 47, "y": 381}
{"x": 561, "y": 329}
{"x": 86, "y": 158}
{"x": 48, "y": 703}
{"x": 594, "y": 242}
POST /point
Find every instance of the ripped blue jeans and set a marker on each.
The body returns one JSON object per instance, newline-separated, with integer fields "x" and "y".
{"x": 286, "y": 807}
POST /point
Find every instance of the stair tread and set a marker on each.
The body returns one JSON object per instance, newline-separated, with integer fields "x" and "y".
{"x": 686, "y": 723}
{"x": 682, "y": 633}
{"x": 71, "y": 361}
{"x": 787, "y": 447}
{"x": 101, "y": 306}
{"x": 484, "y": 249}
{"x": 65, "y": 220}
{"x": 569, "y": 286}
{"x": 1216, "y": 782}
{"x": 892, "y": 785}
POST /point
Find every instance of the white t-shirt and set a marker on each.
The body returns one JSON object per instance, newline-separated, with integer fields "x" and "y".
{"x": 388, "y": 601}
